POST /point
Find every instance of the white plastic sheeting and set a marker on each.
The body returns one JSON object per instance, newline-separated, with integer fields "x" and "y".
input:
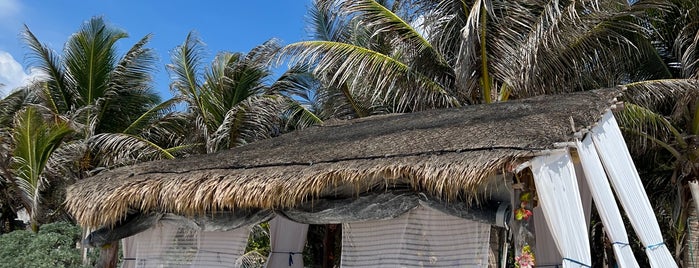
{"x": 420, "y": 238}
{"x": 622, "y": 173}
{"x": 170, "y": 245}
{"x": 287, "y": 239}
{"x": 559, "y": 198}
{"x": 606, "y": 203}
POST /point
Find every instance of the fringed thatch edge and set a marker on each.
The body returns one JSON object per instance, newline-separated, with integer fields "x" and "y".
{"x": 450, "y": 177}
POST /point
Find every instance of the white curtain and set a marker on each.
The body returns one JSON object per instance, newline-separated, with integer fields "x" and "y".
{"x": 605, "y": 203}
{"x": 622, "y": 173}
{"x": 163, "y": 245}
{"x": 422, "y": 237}
{"x": 559, "y": 198}
{"x": 694, "y": 189}
{"x": 128, "y": 247}
{"x": 287, "y": 239}
{"x": 168, "y": 244}
{"x": 221, "y": 249}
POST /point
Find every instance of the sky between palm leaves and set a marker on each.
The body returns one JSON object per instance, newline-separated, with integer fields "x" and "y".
{"x": 234, "y": 26}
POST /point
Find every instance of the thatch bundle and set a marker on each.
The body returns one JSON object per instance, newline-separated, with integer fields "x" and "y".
{"x": 449, "y": 154}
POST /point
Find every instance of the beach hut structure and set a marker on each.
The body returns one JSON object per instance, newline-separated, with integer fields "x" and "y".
{"x": 438, "y": 188}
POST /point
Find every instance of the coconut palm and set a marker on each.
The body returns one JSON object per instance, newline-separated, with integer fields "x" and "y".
{"x": 34, "y": 140}
{"x": 106, "y": 101}
{"x": 662, "y": 120}
{"x": 90, "y": 83}
{"x": 231, "y": 102}
{"x": 413, "y": 55}
{"x": 106, "y": 97}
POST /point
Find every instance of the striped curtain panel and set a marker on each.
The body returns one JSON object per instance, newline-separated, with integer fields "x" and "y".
{"x": 420, "y": 238}
{"x": 168, "y": 244}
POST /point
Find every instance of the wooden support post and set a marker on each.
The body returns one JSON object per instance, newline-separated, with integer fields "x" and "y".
{"x": 109, "y": 255}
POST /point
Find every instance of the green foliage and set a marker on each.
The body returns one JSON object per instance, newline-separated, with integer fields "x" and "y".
{"x": 53, "y": 246}
{"x": 259, "y": 239}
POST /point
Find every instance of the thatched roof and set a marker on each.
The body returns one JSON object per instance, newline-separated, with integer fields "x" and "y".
{"x": 447, "y": 153}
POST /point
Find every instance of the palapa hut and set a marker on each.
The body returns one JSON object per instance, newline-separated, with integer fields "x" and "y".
{"x": 439, "y": 188}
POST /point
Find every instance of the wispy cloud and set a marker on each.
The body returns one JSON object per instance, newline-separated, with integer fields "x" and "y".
{"x": 12, "y": 75}
{"x": 9, "y": 9}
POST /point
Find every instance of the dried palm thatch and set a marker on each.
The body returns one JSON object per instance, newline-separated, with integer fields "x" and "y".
{"x": 449, "y": 154}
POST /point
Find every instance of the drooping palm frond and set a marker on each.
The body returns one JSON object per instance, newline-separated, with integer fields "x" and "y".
{"x": 669, "y": 97}
{"x": 12, "y": 104}
{"x": 649, "y": 128}
{"x": 255, "y": 118}
{"x": 119, "y": 149}
{"x": 185, "y": 69}
{"x": 369, "y": 73}
{"x": 34, "y": 141}
{"x": 301, "y": 91}
{"x": 156, "y": 112}
{"x": 129, "y": 93}
{"x": 62, "y": 95}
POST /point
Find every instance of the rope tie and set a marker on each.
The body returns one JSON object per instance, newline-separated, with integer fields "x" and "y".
{"x": 654, "y": 246}
{"x": 291, "y": 256}
{"x": 577, "y": 262}
{"x": 623, "y": 244}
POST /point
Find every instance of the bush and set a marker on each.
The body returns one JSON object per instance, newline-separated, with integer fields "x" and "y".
{"x": 52, "y": 246}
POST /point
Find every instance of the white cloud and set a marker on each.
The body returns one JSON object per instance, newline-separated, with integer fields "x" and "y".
{"x": 9, "y": 8}
{"x": 12, "y": 75}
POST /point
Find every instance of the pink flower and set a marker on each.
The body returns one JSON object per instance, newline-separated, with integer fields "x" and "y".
{"x": 525, "y": 261}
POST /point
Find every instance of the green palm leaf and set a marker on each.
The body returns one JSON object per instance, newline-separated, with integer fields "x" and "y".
{"x": 58, "y": 91}
{"x": 370, "y": 73}
{"x": 34, "y": 142}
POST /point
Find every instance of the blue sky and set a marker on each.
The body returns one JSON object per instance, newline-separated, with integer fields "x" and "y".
{"x": 235, "y": 25}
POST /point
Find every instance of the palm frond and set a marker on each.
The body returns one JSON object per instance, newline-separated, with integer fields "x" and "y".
{"x": 151, "y": 115}
{"x": 119, "y": 149}
{"x": 34, "y": 141}
{"x": 11, "y": 105}
{"x": 649, "y": 129}
{"x": 48, "y": 62}
{"x": 129, "y": 93}
{"x": 187, "y": 61}
{"x": 90, "y": 56}
{"x": 665, "y": 96}
{"x": 325, "y": 22}
{"x": 370, "y": 73}
{"x": 255, "y": 118}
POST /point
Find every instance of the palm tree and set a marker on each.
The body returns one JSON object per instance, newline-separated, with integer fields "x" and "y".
{"x": 662, "y": 119}
{"x": 229, "y": 103}
{"x": 34, "y": 140}
{"x": 421, "y": 54}
{"x": 483, "y": 51}
{"x": 89, "y": 80}
{"x": 105, "y": 100}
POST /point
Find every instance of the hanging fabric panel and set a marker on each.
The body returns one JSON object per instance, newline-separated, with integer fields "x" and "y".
{"x": 169, "y": 244}
{"x": 163, "y": 245}
{"x": 128, "y": 247}
{"x": 222, "y": 249}
{"x": 421, "y": 238}
{"x": 627, "y": 184}
{"x": 606, "y": 203}
{"x": 287, "y": 239}
{"x": 559, "y": 198}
